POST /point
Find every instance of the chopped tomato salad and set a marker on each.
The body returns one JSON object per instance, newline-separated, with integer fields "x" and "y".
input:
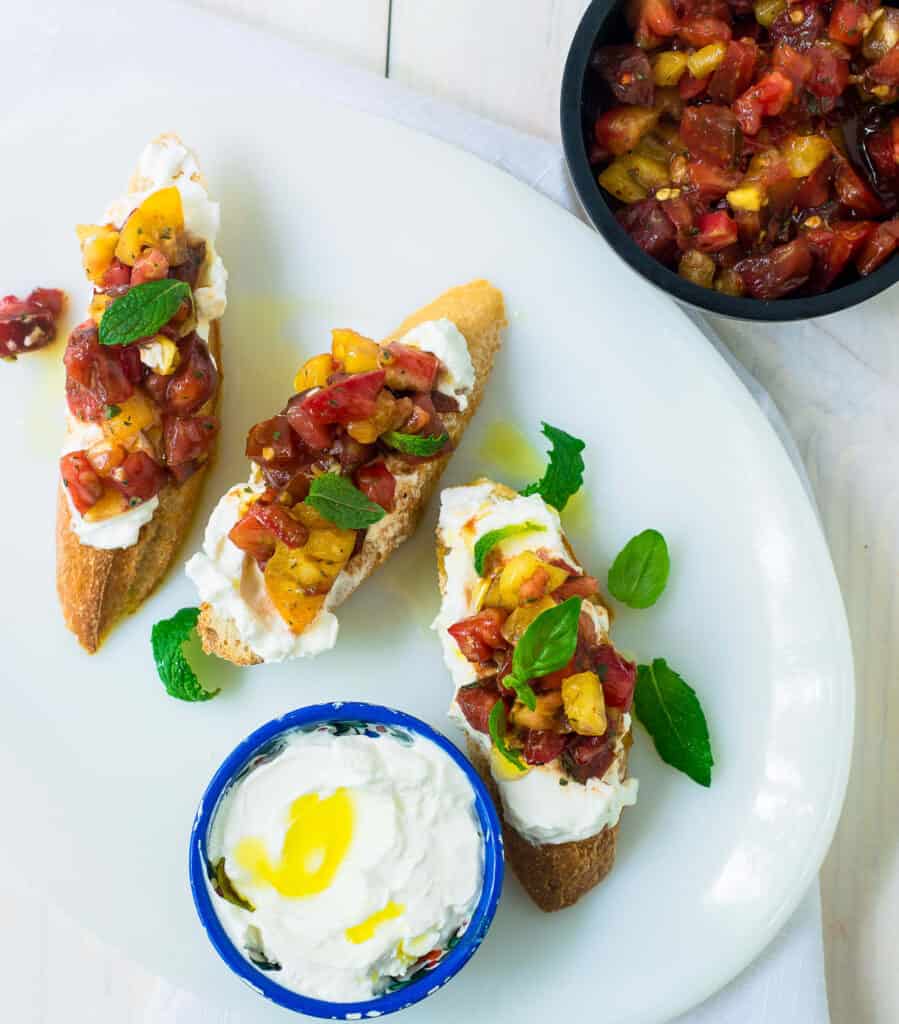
{"x": 577, "y": 718}
{"x": 753, "y": 147}
{"x": 29, "y": 324}
{"x": 143, "y": 396}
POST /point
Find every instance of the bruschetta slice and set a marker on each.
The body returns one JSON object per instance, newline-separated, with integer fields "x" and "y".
{"x": 340, "y": 476}
{"x": 551, "y": 745}
{"x": 142, "y": 376}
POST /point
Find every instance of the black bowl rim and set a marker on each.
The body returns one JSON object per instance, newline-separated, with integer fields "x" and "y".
{"x": 604, "y": 221}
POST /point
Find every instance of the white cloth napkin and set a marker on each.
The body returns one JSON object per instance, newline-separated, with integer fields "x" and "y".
{"x": 786, "y": 984}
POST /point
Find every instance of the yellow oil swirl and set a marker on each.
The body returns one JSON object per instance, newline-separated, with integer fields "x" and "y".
{"x": 366, "y": 929}
{"x": 316, "y": 842}
{"x": 507, "y": 449}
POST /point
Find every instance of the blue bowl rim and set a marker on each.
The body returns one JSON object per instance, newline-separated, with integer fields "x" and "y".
{"x": 589, "y": 32}
{"x": 430, "y": 981}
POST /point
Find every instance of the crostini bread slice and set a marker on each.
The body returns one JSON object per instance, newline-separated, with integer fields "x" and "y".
{"x": 478, "y": 310}
{"x": 97, "y": 587}
{"x": 554, "y": 875}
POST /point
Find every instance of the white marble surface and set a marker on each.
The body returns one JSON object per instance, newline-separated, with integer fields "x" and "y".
{"x": 836, "y": 382}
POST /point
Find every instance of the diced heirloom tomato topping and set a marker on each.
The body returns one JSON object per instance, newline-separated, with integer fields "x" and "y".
{"x": 29, "y": 324}
{"x": 377, "y": 483}
{"x": 760, "y": 129}
{"x": 352, "y": 398}
{"x": 480, "y": 635}
{"x": 83, "y": 484}
{"x": 408, "y": 369}
{"x": 476, "y": 701}
{"x": 259, "y": 530}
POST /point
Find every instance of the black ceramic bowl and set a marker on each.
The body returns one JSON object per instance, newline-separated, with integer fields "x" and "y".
{"x": 604, "y": 23}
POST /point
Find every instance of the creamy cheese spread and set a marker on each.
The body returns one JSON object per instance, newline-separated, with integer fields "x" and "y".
{"x": 163, "y": 163}
{"x": 535, "y": 804}
{"x": 359, "y": 854}
{"x": 231, "y": 581}
{"x": 444, "y": 339}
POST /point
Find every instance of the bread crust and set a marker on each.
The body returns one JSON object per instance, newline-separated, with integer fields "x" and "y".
{"x": 96, "y": 588}
{"x": 477, "y": 309}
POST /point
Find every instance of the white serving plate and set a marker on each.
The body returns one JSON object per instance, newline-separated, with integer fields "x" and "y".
{"x": 332, "y": 218}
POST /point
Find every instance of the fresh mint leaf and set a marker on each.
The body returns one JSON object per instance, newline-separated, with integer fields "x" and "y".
{"x": 496, "y": 723}
{"x": 488, "y": 542}
{"x": 564, "y": 475}
{"x": 142, "y": 310}
{"x": 640, "y": 572}
{"x": 672, "y": 715}
{"x": 414, "y": 444}
{"x": 334, "y": 497}
{"x": 167, "y": 638}
{"x": 545, "y": 646}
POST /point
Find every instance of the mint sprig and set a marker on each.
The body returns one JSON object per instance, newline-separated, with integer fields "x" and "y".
{"x": 142, "y": 310}
{"x": 167, "y": 638}
{"x": 496, "y": 723}
{"x": 335, "y": 498}
{"x": 415, "y": 444}
{"x": 670, "y": 710}
{"x": 547, "y": 645}
{"x": 488, "y": 542}
{"x": 564, "y": 475}
{"x": 640, "y": 572}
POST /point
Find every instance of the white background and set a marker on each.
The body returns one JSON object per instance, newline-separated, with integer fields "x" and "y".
{"x": 836, "y": 382}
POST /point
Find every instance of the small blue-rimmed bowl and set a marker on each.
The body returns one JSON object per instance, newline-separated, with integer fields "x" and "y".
{"x": 431, "y": 975}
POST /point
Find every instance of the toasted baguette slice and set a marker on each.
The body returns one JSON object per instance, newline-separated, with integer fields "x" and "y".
{"x": 554, "y": 875}
{"x": 477, "y": 309}
{"x": 97, "y": 587}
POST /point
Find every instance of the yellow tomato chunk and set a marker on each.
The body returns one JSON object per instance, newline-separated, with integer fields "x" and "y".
{"x": 314, "y": 373}
{"x": 804, "y": 153}
{"x": 706, "y": 60}
{"x": 585, "y": 706}
{"x": 669, "y": 67}
{"x": 357, "y": 353}
{"x": 157, "y": 223}
{"x": 98, "y": 245}
{"x": 135, "y": 414}
{"x": 632, "y": 177}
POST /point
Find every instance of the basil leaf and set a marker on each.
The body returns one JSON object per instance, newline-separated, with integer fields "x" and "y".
{"x": 489, "y": 541}
{"x": 640, "y": 572}
{"x": 545, "y": 646}
{"x": 166, "y": 638}
{"x": 414, "y": 444}
{"x": 672, "y": 715}
{"x": 564, "y": 475}
{"x": 142, "y": 310}
{"x": 334, "y": 497}
{"x": 497, "y": 725}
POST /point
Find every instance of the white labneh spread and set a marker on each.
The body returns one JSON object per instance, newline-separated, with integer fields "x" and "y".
{"x": 231, "y": 581}
{"x": 535, "y": 804}
{"x": 164, "y": 162}
{"x": 444, "y": 339}
{"x": 358, "y": 853}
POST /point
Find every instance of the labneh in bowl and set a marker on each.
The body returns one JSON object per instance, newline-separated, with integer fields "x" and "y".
{"x": 429, "y": 969}
{"x": 583, "y": 97}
